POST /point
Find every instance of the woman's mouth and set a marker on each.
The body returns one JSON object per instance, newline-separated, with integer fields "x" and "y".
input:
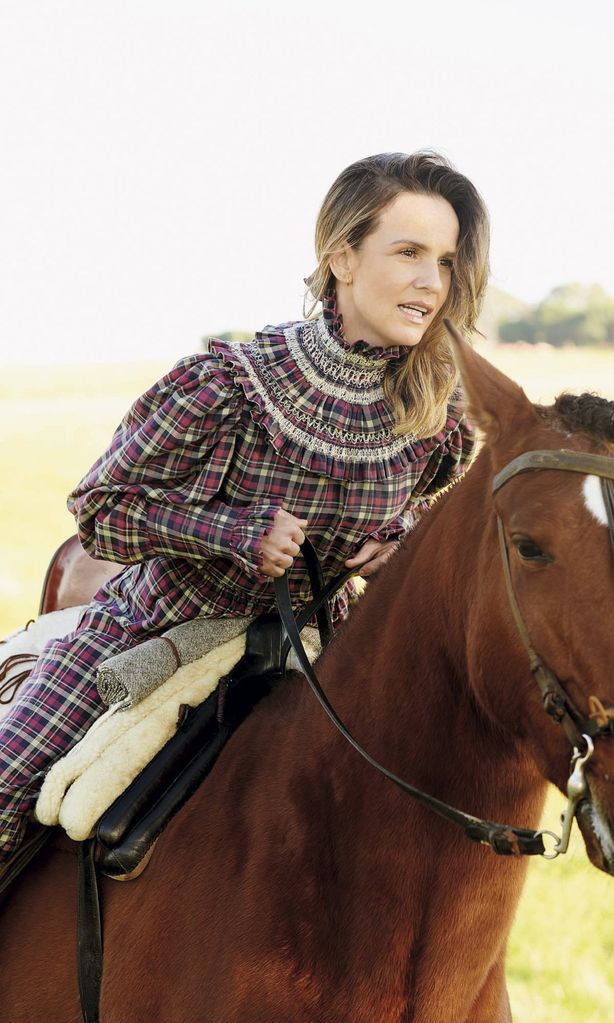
{"x": 415, "y": 313}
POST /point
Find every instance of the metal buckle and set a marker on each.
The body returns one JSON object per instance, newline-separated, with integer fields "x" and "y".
{"x": 576, "y": 790}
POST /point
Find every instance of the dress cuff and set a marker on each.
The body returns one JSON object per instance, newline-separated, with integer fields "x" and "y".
{"x": 394, "y": 530}
{"x": 254, "y": 523}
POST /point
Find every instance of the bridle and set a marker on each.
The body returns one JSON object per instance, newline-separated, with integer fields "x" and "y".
{"x": 581, "y": 731}
{"x": 556, "y": 701}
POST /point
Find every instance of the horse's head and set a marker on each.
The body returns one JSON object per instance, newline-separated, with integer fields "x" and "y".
{"x": 548, "y": 515}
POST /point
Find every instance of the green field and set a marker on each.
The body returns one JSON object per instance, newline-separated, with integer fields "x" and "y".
{"x": 56, "y": 421}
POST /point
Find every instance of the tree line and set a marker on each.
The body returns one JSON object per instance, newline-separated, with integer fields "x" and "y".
{"x": 570, "y": 314}
{"x": 578, "y": 314}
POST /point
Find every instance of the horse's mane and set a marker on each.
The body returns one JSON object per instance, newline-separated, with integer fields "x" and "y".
{"x": 584, "y": 413}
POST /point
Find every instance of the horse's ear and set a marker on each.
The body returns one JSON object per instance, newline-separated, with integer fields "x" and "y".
{"x": 491, "y": 398}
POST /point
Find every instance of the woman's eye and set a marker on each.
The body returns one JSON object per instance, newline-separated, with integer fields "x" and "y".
{"x": 448, "y": 263}
{"x": 529, "y": 550}
{"x": 408, "y": 252}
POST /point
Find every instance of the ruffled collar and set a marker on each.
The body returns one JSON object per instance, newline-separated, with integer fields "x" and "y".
{"x": 322, "y": 403}
{"x": 334, "y": 322}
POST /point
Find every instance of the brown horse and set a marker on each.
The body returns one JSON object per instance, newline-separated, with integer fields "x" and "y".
{"x": 300, "y": 885}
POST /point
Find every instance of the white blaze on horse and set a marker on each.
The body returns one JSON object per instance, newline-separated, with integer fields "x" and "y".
{"x": 298, "y": 884}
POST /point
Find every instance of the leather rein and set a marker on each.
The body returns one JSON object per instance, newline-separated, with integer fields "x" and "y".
{"x": 503, "y": 839}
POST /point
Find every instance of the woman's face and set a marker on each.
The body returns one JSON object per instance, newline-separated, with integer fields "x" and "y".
{"x": 401, "y": 273}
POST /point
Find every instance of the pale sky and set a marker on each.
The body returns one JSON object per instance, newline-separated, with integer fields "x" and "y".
{"x": 162, "y": 162}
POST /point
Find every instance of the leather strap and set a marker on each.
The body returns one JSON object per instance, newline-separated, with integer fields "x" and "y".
{"x": 173, "y": 648}
{"x": 607, "y": 490}
{"x": 502, "y": 838}
{"x": 319, "y": 607}
{"x": 321, "y": 597}
{"x": 89, "y": 934}
{"x": 570, "y": 461}
{"x": 555, "y": 699}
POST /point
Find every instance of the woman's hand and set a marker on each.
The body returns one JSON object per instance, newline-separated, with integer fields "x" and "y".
{"x": 371, "y": 556}
{"x": 280, "y": 547}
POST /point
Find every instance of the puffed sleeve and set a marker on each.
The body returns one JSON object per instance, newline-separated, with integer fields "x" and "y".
{"x": 156, "y": 489}
{"x": 451, "y": 454}
{"x": 450, "y": 457}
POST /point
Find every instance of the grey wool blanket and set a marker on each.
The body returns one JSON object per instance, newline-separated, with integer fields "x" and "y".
{"x": 128, "y": 677}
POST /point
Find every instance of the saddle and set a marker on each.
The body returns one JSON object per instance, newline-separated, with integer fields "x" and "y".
{"x": 128, "y": 829}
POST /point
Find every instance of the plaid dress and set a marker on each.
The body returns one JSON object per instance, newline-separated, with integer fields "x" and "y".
{"x": 188, "y": 488}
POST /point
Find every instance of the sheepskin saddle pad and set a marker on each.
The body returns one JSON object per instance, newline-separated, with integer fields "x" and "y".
{"x": 80, "y": 787}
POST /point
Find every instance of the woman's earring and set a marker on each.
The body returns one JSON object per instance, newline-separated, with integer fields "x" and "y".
{"x": 349, "y": 280}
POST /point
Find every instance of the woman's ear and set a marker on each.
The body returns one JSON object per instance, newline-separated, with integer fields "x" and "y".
{"x": 340, "y": 263}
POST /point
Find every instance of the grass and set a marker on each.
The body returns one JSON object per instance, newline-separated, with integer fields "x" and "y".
{"x": 561, "y": 952}
{"x": 54, "y": 424}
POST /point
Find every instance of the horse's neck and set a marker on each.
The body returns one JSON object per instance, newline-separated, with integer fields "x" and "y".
{"x": 398, "y": 670}
{"x": 398, "y": 675}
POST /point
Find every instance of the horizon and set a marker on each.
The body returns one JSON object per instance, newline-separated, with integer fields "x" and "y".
{"x": 91, "y": 359}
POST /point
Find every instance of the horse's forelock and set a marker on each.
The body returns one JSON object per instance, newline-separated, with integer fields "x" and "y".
{"x": 585, "y": 413}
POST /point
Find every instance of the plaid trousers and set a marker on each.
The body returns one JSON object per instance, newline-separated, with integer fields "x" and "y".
{"x": 53, "y": 711}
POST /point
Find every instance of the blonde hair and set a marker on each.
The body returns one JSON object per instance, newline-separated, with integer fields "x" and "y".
{"x": 420, "y": 387}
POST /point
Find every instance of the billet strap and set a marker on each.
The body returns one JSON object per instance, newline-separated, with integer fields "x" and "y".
{"x": 502, "y": 838}
{"x": 89, "y": 934}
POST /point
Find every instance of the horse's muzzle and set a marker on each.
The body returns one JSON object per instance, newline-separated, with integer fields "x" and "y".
{"x": 597, "y": 828}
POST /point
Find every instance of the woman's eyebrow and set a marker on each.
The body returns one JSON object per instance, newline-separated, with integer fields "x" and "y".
{"x": 418, "y": 245}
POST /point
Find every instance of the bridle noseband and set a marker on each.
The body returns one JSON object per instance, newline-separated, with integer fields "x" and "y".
{"x": 502, "y": 838}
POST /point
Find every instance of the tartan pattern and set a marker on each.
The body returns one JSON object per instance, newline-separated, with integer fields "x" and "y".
{"x": 55, "y": 708}
{"x": 197, "y": 470}
{"x": 189, "y": 486}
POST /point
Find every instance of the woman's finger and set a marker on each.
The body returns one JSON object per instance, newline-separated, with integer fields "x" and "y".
{"x": 375, "y": 564}
{"x": 272, "y": 571}
{"x": 366, "y": 552}
{"x": 291, "y": 548}
{"x": 297, "y": 535}
{"x": 281, "y": 560}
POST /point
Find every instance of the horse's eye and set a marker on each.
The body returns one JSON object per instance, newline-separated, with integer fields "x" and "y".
{"x": 529, "y": 550}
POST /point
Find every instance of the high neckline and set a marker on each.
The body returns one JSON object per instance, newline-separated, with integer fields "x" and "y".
{"x": 323, "y": 404}
{"x": 334, "y": 322}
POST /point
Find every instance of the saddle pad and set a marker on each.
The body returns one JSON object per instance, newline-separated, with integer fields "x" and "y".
{"x": 80, "y": 786}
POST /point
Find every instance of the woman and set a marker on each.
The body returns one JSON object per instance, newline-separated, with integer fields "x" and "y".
{"x": 343, "y": 426}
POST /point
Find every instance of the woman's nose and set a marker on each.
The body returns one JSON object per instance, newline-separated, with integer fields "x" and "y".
{"x": 429, "y": 277}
